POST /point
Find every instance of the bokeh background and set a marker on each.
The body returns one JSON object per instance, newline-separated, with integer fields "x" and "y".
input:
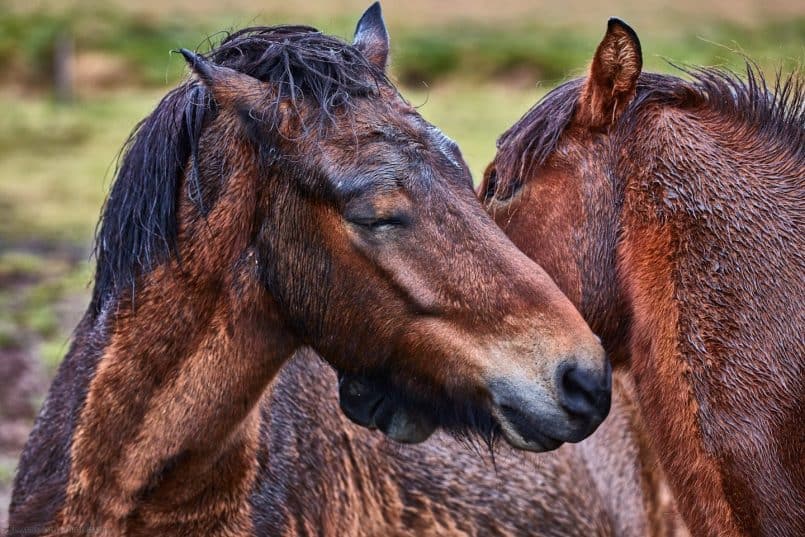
{"x": 76, "y": 76}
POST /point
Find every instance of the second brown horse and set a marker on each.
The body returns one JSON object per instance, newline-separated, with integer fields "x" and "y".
{"x": 671, "y": 212}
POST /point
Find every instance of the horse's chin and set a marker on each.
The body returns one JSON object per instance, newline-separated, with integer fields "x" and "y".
{"x": 365, "y": 405}
{"x": 370, "y": 405}
{"x": 407, "y": 428}
{"x": 533, "y": 441}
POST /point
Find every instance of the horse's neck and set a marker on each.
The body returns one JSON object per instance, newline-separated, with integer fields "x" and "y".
{"x": 711, "y": 259}
{"x": 319, "y": 474}
{"x": 624, "y": 467}
{"x": 169, "y": 428}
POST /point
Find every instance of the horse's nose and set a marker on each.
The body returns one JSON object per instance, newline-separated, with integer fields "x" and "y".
{"x": 583, "y": 392}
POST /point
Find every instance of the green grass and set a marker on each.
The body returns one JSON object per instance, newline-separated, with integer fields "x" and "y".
{"x": 56, "y": 162}
{"x": 7, "y": 467}
{"x": 472, "y": 49}
{"x": 33, "y": 286}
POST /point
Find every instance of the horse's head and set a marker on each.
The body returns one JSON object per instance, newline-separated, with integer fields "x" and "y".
{"x": 553, "y": 186}
{"x": 377, "y": 255}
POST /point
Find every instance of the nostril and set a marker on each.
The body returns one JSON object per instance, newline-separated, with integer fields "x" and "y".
{"x": 583, "y": 392}
{"x": 577, "y": 391}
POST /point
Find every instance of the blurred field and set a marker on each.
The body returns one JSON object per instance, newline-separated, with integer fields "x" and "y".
{"x": 123, "y": 44}
{"x": 474, "y": 67}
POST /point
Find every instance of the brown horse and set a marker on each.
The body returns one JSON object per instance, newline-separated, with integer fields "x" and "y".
{"x": 670, "y": 212}
{"x": 289, "y": 198}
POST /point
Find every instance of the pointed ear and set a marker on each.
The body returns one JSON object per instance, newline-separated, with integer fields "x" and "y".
{"x": 611, "y": 84}
{"x": 230, "y": 88}
{"x": 372, "y": 38}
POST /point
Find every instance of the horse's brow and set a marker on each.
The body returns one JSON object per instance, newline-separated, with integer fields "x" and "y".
{"x": 363, "y": 181}
{"x": 446, "y": 145}
{"x": 391, "y": 134}
{"x": 446, "y": 140}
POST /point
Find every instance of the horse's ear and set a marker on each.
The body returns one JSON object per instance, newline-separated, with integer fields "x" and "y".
{"x": 611, "y": 84}
{"x": 228, "y": 87}
{"x": 372, "y": 38}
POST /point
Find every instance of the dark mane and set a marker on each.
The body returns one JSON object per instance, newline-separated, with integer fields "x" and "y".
{"x": 774, "y": 113}
{"x": 138, "y": 228}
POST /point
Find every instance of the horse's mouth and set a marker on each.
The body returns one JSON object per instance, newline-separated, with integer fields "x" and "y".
{"x": 522, "y": 433}
{"x": 370, "y": 405}
{"x": 374, "y": 405}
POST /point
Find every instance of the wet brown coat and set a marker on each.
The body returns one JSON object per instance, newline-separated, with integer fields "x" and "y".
{"x": 671, "y": 212}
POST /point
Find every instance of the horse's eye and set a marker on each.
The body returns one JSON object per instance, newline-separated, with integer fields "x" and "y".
{"x": 490, "y": 185}
{"x": 494, "y": 189}
{"x": 377, "y": 213}
{"x": 376, "y": 225}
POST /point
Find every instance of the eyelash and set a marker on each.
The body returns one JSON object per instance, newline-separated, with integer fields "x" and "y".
{"x": 491, "y": 185}
{"x": 379, "y": 224}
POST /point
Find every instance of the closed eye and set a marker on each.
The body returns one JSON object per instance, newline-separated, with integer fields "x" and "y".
{"x": 374, "y": 211}
{"x": 380, "y": 224}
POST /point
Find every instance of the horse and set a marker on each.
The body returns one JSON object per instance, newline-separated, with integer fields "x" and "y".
{"x": 670, "y": 212}
{"x": 288, "y": 198}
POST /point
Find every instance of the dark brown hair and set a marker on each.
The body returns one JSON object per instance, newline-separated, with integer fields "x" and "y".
{"x": 774, "y": 113}
{"x": 138, "y": 228}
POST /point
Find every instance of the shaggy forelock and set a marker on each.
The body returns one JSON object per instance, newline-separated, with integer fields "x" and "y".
{"x": 138, "y": 228}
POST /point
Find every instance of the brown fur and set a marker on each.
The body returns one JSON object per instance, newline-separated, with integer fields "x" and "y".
{"x": 325, "y": 476}
{"x": 655, "y": 333}
{"x": 680, "y": 218}
{"x": 219, "y": 320}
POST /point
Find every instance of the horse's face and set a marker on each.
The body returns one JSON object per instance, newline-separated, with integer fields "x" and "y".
{"x": 554, "y": 184}
{"x": 427, "y": 296}
{"x": 563, "y": 216}
{"x": 380, "y": 258}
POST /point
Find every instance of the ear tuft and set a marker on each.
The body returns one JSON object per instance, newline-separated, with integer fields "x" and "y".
{"x": 372, "y": 38}
{"x": 612, "y": 82}
{"x": 210, "y": 74}
{"x": 229, "y": 87}
{"x": 203, "y": 69}
{"x": 618, "y": 24}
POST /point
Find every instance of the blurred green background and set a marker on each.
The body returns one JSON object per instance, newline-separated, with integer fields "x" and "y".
{"x": 76, "y": 76}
